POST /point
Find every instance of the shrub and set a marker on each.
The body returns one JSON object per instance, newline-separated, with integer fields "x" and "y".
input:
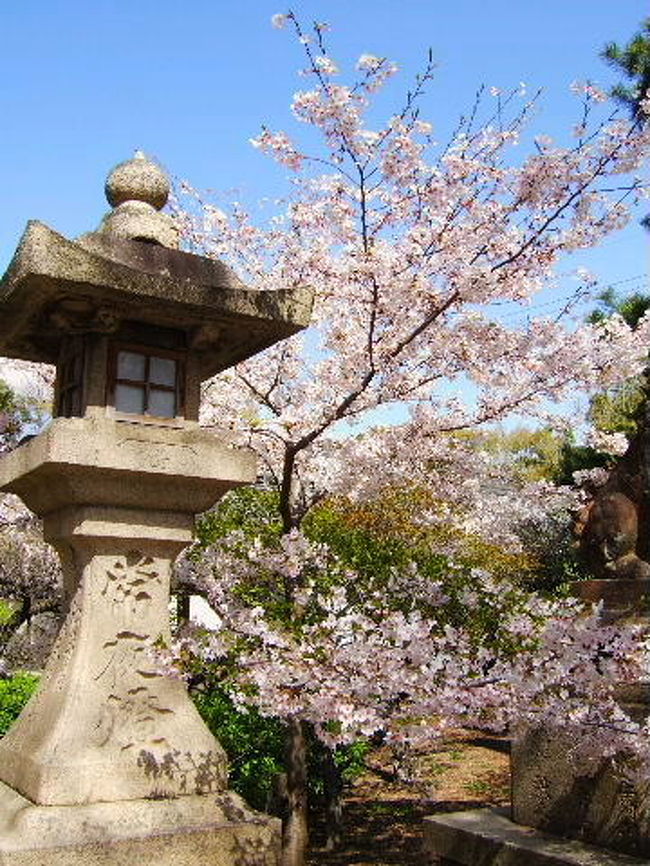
{"x": 14, "y": 694}
{"x": 254, "y": 744}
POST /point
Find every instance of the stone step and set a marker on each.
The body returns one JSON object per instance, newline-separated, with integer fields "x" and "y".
{"x": 486, "y": 837}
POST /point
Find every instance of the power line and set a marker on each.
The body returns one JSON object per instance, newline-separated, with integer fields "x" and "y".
{"x": 522, "y": 314}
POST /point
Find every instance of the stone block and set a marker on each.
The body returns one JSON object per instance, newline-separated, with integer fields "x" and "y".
{"x": 132, "y": 280}
{"x": 621, "y": 598}
{"x": 118, "y": 464}
{"x": 484, "y": 837}
{"x": 216, "y": 830}
{"x": 602, "y": 807}
{"x": 603, "y": 804}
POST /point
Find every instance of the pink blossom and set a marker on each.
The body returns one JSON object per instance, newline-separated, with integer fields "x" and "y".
{"x": 412, "y": 249}
{"x": 279, "y": 21}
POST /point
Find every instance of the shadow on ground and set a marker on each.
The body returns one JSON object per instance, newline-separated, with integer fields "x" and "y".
{"x": 385, "y": 833}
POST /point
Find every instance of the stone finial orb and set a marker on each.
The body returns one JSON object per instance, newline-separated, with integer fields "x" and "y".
{"x": 137, "y": 190}
{"x": 137, "y": 179}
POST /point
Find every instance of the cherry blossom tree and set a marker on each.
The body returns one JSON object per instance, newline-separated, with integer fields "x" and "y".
{"x": 410, "y": 247}
{"x": 30, "y": 576}
{"x": 410, "y": 655}
{"x": 31, "y": 582}
{"x": 24, "y": 389}
{"x": 413, "y": 248}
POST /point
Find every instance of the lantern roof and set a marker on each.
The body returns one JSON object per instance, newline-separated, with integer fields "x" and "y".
{"x": 130, "y": 270}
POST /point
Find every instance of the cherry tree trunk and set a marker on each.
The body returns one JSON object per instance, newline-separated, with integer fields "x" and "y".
{"x": 295, "y": 834}
{"x": 333, "y": 784}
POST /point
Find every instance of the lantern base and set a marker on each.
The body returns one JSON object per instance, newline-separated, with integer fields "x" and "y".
{"x": 216, "y": 829}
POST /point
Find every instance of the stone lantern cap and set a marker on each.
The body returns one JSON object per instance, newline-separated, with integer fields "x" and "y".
{"x": 129, "y": 270}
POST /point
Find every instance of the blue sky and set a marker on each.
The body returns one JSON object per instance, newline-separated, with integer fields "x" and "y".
{"x": 86, "y": 83}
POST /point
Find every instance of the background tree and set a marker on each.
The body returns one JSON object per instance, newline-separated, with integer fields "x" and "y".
{"x": 15, "y": 413}
{"x": 633, "y": 60}
{"x": 31, "y": 591}
{"x": 30, "y": 578}
{"x": 619, "y": 409}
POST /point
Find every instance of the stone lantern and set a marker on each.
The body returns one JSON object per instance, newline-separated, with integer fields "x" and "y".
{"x": 110, "y": 762}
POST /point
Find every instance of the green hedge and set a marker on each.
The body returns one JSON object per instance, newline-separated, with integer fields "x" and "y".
{"x": 14, "y": 694}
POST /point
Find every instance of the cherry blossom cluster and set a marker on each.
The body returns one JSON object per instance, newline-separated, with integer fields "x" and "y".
{"x": 356, "y": 658}
{"x": 609, "y": 443}
{"x": 30, "y": 571}
{"x": 411, "y": 247}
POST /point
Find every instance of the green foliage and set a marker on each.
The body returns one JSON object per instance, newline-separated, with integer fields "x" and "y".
{"x": 631, "y": 308}
{"x": 478, "y": 787}
{"x": 350, "y": 762}
{"x": 14, "y": 694}
{"x": 17, "y": 408}
{"x": 554, "y": 557}
{"x": 617, "y": 410}
{"x": 255, "y": 747}
{"x": 254, "y": 744}
{"x": 376, "y": 539}
{"x": 250, "y": 510}
{"x": 15, "y": 413}
{"x": 7, "y": 399}
{"x": 8, "y": 611}
{"x": 633, "y": 60}
{"x": 351, "y": 759}
{"x": 254, "y": 514}
{"x": 381, "y": 538}
{"x": 535, "y": 454}
{"x": 575, "y": 458}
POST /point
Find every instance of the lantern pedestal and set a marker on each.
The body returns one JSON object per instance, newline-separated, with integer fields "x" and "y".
{"x": 215, "y": 829}
{"x": 110, "y": 748}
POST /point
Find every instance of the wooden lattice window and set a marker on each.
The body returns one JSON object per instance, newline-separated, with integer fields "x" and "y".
{"x": 147, "y": 381}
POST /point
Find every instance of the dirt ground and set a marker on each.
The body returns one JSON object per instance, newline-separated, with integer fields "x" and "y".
{"x": 383, "y": 817}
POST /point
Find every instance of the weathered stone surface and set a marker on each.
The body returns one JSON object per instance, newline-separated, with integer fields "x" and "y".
{"x": 621, "y": 598}
{"x": 94, "y": 461}
{"x": 214, "y": 829}
{"x": 138, "y": 221}
{"x": 551, "y": 793}
{"x": 613, "y": 528}
{"x": 120, "y": 279}
{"x": 110, "y": 763}
{"x": 105, "y": 724}
{"x": 137, "y": 189}
{"x": 488, "y": 838}
{"x": 137, "y": 179}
